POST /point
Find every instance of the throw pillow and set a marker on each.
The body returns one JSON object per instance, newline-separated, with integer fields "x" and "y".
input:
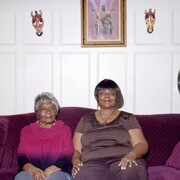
{"x": 174, "y": 159}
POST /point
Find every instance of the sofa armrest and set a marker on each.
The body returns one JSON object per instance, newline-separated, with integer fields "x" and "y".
{"x": 3, "y": 136}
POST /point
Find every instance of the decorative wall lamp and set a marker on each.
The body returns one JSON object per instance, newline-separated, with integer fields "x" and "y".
{"x": 150, "y": 20}
{"x": 37, "y": 22}
{"x": 178, "y": 81}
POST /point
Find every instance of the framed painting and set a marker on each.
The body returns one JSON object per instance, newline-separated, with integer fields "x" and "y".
{"x": 103, "y": 23}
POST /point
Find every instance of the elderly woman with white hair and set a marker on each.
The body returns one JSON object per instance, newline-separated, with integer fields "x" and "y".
{"x": 45, "y": 149}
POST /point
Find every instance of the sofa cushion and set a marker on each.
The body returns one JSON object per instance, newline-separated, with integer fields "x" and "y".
{"x": 174, "y": 159}
{"x": 163, "y": 173}
{"x": 7, "y": 173}
{"x": 3, "y": 136}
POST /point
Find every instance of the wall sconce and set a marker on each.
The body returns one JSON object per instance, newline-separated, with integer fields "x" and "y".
{"x": 178, "y": 81}
{"x": 150, "y": 20}
{"x": 37, "y": 22}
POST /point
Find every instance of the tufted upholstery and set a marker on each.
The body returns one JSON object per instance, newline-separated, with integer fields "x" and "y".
{"x": 15, "y": 124}
{"x": 161, "y": 131}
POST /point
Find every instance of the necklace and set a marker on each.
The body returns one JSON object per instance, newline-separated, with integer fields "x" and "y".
{"x": 47, "y": 126}
{"x": 105, "y": 120}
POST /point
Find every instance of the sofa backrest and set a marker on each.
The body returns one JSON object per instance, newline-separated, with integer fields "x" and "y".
{"x": 72, "y": 115}
{"x": 14, "y": 124}
{"x": 162, "y": 132}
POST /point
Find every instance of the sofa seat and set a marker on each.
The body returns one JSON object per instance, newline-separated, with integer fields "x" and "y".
{"x": 163, "y": 173}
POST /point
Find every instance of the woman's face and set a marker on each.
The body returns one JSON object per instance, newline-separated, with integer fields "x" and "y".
{"x": 47, "y": 113}
{"x": 107, "y": 98}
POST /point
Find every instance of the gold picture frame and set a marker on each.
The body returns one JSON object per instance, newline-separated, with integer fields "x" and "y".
{"x": 103, "y": 23}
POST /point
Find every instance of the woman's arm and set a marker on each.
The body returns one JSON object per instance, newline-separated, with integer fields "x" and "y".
{"x": 139, "y": 148}
{"x": 139, "y": 143}
{"x": 76, "y": 159}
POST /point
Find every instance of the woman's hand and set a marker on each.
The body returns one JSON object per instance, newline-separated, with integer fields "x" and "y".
{"x": 127, "y": 161}
{"x": 76, "y": 167}
{"x": 51, "y": 169}
{"x": 139, "y": 145}
{"x": 36, "y": 173}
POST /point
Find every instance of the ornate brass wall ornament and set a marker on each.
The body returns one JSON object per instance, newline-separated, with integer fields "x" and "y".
{"x": 150, "y": 20}
{"x": 37, "y": 22}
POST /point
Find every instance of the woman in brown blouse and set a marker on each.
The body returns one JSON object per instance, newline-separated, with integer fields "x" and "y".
{"x": 109, "y": 143}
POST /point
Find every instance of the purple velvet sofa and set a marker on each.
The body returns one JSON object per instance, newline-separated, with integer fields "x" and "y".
{"x": 162, "y": 132}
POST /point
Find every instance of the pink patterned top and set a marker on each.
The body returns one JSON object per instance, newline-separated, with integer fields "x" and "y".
{"x": 45, "y": 147}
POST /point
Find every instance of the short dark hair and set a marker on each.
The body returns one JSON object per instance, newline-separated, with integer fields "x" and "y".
{"x": 110, "y": 84}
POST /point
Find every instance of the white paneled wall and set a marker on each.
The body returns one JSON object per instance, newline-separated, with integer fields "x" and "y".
{"x": 38, "y": 75}
{"x": 146, "y": 69}
{"x": 75, "y": 79}
{"x": 8, "y": 82}
{"x": 175, "y": 27}
{"x": 152, "y": 82}
{"x": 8, "y": 35}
